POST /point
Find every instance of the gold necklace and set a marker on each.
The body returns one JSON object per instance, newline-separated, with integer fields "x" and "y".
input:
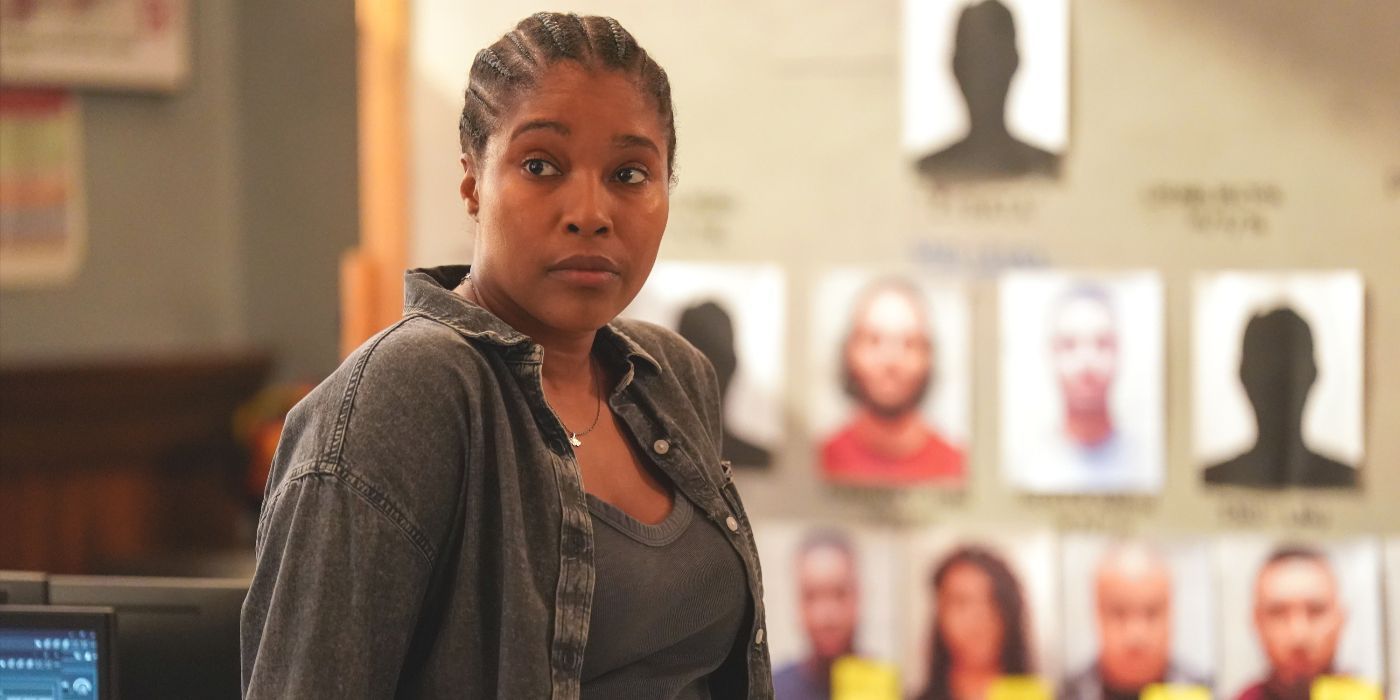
{"x": 597, "y": 411}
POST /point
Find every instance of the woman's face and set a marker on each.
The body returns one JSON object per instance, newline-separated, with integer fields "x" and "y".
{"x": 968, "y": 619}
{"x": 571, "y": 198}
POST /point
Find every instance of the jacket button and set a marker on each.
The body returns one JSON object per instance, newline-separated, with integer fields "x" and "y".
{"x": 661, "y": 447}
{"x": 732, "y": 524}
{"x": 758, "y": 637}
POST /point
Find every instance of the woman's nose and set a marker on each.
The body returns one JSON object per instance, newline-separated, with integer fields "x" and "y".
{"x": 586, "y": 210}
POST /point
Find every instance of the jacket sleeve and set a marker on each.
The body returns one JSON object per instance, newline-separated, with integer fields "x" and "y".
{"x": 333, "y": 605}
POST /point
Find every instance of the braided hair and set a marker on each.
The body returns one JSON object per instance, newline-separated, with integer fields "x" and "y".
{"x": 504, "y": 71}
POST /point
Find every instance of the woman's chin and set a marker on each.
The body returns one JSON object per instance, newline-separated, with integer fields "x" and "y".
{"x": 580, "y": 318}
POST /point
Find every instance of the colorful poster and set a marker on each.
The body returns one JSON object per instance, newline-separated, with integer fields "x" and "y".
{"x": 42, "y": 226}
{"x": 112, "y": 44}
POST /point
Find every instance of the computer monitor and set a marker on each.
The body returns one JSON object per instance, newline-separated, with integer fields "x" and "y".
{"x": 23, "y": 588}
{"x": 176, "y": 637}
{"x": 57, "y": 652}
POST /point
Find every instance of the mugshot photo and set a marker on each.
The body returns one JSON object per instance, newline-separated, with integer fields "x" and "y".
{"x": 1278, "y": 378}
{"x": 1137, "y": 613}
{"x": 1082, "y": 381}
{"x": 733, "y": 314}
{"x": 979, "y": 608}
{"x": 986, "y": 88}
{"x": 889, "y": 377}
{"x": 830, "y": 593}
{"x": 1292, "y": 612}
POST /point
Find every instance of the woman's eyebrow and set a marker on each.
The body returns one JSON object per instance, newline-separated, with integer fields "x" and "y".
{"x": 633, "y": 140}
{"x": 559, "y": 127}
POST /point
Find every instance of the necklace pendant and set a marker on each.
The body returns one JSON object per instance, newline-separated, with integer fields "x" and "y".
{"x": 573, "y": 440}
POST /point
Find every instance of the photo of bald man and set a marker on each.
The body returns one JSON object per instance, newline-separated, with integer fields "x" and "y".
{"x": 1313, "y": 611}
{"x": 1135, "y": 616}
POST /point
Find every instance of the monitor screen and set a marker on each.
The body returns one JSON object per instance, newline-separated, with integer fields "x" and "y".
{"x": 55, "y": 652}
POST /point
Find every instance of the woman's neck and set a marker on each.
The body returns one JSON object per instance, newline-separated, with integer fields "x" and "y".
{"x": 567, "y": 355}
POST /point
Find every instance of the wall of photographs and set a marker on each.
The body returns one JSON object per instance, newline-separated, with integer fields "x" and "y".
{"x": 1037, "y": 275}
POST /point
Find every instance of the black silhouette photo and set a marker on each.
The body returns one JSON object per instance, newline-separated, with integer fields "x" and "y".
{"x": 1298, "y": 369}
{"x": 986, "y": 88}
{"x": 732, "y": 314}
{"x": 708, "y": 327}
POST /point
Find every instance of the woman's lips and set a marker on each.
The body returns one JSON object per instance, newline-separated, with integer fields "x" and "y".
{"x": 585, "y": 270}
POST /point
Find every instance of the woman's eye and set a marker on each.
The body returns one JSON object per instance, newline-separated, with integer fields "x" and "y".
{"x": 632, "y": 176}
{"x": 540, "y": 167}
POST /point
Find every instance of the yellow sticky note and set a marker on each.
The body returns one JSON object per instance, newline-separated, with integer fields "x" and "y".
{"x": 854, "y": 678}
{"x": 1175, "y": 691}
{"x": 1343, "y": 688}
{"x": 1019, "y": 688}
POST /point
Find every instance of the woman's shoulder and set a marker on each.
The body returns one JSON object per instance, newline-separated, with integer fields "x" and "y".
{"x": 414, "y": 352}
{"x": 417, "y": 369}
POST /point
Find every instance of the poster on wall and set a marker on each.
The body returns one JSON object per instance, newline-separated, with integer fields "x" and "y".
{"x": 732, "y": 313}
{"x": 986, "y": 88}
{"x": 890, "y": 379}
{"x": 1082, "y": 381}
{"x": 829, "y": 594}
{"x": 42, "y": 226}
{"x": 109, "y": 44}
{"x": 1277, "y": 378}
{"x": 1296, "y": 612}
{"x": 974, "y": 602}
{"x": 1137, "y": 614}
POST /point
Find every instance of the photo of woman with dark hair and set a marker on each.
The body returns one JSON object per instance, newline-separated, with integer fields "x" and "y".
{"x": 979, "y": 630}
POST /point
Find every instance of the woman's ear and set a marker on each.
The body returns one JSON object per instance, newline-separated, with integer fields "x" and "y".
{"x": 468, "y": 186}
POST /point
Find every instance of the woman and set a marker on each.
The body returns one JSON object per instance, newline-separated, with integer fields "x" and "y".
{"x": 979, "y": 629}
{"x": 508, "y": 493}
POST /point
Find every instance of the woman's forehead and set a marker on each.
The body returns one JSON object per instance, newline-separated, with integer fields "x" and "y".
{"x": 577, "y": 97}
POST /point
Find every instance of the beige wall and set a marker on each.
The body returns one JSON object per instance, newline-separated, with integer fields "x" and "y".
{"x": 788, "y": 118}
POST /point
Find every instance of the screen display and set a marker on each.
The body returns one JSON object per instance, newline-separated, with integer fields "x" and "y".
{"x": 48, "y": 664}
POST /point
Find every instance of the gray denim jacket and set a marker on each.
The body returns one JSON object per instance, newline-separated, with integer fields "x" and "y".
{"x": 425, "y": 532}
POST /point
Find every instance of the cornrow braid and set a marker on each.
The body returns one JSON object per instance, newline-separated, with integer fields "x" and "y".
{"x": 618, "y": 43}
{"x": 503, "y": 73}
{"x": 551, "y": 26}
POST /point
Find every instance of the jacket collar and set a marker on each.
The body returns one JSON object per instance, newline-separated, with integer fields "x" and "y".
{"x": 428, "y": 292}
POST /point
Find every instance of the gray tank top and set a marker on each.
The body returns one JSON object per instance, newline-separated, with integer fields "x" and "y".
{"x": 667, "y": 605}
